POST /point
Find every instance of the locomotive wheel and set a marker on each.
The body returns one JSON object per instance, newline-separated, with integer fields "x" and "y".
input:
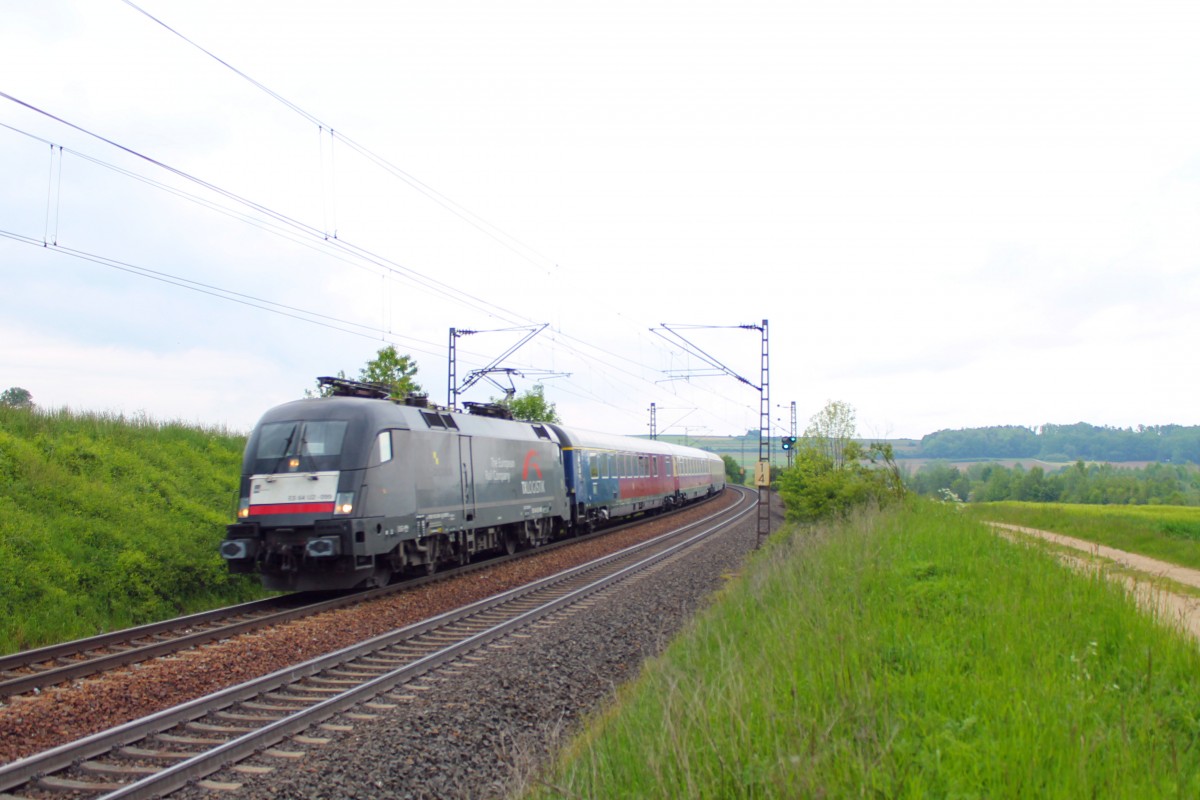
{"x": 435, "y": 555}
{"x": 511, "y": 543}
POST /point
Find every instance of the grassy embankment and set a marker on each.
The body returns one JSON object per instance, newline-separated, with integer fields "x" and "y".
{"x": 1168, "y": 533}
{"x": 910, "y": 653}
{"x": 107, "y": 522}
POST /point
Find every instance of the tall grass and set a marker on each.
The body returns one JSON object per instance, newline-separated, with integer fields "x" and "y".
{"x": 108, "y": 521}
{"x": 909, "y": 653}
{"x": 1169, "y": 533}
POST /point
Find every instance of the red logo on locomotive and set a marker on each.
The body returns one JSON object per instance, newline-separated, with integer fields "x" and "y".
{"x": 530, "y": 461}
{"x": 528, "y": 486}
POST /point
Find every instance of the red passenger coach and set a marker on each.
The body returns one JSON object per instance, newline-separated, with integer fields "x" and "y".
{"x": 614, "y": 476}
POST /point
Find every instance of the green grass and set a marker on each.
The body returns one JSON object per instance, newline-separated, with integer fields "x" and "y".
{"x": 1169, "y": 533}
{"x": 107, "y": 522}
{"x": 910, "y": 653}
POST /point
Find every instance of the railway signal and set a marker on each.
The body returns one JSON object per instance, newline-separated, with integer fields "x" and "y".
{"x": 789, "y": 442}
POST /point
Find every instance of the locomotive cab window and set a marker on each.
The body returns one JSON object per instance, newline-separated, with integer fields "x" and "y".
{"x": 383, "y": 448}
{"x": 300, "y": 445}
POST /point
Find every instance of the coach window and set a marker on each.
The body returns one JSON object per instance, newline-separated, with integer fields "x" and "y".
{"x": 612, "y": 464}
{"x": 594, "y": 463}
{"x": 654, "y": 465}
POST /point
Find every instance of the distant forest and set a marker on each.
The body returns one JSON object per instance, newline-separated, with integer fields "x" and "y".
{"x": 1175, "y": 444}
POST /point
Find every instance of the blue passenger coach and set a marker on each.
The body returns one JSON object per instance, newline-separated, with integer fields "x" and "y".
{"x": 612, "y": 476}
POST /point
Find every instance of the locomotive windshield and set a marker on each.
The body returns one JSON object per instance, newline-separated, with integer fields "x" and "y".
{"x": 300, "y": 445}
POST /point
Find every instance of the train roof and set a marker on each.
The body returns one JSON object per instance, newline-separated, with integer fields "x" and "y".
{"x": 575, "y": 437}
{"x": 381, "y": 413}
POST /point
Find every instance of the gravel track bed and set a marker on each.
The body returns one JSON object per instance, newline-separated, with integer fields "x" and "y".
{"x": 484, "y": 731}
{"x": 59, "y": 715}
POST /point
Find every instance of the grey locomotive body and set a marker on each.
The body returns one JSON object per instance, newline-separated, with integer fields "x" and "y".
{"x": 339, "y": 492}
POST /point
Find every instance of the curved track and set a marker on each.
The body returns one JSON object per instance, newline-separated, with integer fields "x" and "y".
{"x": 159, "y": 754}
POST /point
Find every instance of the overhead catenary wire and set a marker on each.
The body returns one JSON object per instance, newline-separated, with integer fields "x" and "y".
{"x": 566, "y": 340}
{"x": 285, "y": 227}
{"x": 497, "y": 234}
{"x": 474, "y": 219}
{"x": 314, "y": 317}
{"x": 452, "y": 292}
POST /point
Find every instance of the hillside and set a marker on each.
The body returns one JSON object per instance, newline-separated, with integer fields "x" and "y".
{"x": 107, "y": 521}
{"x": 1062, "y": 444}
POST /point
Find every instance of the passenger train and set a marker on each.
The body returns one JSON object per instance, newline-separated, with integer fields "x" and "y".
{"x": 354, "y": 489}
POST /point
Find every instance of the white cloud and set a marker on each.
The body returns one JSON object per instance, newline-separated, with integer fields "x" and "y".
{"x": 951, "y": 213}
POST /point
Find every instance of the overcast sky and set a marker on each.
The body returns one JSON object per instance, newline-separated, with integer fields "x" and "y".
{"x": 952, "y": 214}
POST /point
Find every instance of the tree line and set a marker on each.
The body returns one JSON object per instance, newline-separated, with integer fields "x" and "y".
{"x": 1064, "y": 443}
{"x": 1166, "y": 484}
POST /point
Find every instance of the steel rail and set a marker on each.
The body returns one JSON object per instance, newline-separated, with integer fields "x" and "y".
{"x": 26, "y": 770}
{"x": 204, "y": 764}
{"x": 132, "y": 652}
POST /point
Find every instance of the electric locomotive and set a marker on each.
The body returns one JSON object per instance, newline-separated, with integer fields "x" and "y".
{"x": 350, "y": 490}
{"x": 345, "y": 491}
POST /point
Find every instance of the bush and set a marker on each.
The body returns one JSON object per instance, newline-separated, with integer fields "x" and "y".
{"x": 815, "y": 487}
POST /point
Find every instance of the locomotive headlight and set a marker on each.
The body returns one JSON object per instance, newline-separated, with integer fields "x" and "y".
{"x": 344, "y": 504}
{"x": 244, "y": 508}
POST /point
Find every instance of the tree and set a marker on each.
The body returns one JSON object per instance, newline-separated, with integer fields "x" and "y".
{"x": 831, "y": 430}
{"x": 532, "y": 406}
{"x": 833, "y": 473}
{"x": 16, "y": 397}
{"x": 388, "y": 368}
{"x": 733, "y": 470}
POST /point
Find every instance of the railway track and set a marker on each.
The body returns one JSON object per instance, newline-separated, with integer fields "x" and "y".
{"x": 33, "y": 670}
{"x": 156, "y": 755}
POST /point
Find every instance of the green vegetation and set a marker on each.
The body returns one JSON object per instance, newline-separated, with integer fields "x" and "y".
{"x": 531, "y": 406}
{"x": 388, "y": 368}
{"x": 904, "y": 653}
{"x": 1170, "y": 484}
{"x": 832, "y": 473}
{"x": 734, "y": 472}
{"x": 107, "y": 522}
{"x": 16, "y": 397}
{"x": 1174, "y": 443}
{"x": 816, "y": 487}
{"x": 1168, "y": 533}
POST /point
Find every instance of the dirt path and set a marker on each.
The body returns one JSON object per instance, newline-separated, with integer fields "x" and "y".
{"x": 1148, "y": 585}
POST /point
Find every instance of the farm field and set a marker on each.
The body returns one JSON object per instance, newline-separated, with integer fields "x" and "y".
{"x": 1168, "y": 533}
{"x": 906, "y": 653}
